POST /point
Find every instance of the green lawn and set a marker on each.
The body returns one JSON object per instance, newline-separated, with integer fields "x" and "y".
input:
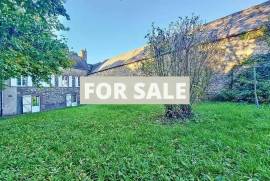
{"x": 227, "y": 141}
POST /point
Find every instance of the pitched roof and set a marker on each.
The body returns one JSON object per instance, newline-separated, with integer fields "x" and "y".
{"x": 238, "y": 23}
{"x": 78, "y": 62}
{"x": 235, "y": 24}
{"x": 122, "y": 59}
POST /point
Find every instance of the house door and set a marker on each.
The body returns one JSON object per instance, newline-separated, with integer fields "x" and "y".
{"x": 74, "y": 100}
{"x": 27, "y": 104}
{"x": 68, "y": 100}
{"x": 35, "y": 104}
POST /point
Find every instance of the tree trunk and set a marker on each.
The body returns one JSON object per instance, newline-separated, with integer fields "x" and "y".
{"x": 232, "y": 79}
{"x": 178, "y": 112}
{"x": 1, "y": 95}
{"x": 255, "y": 87}
{"x": 1, "y": 103}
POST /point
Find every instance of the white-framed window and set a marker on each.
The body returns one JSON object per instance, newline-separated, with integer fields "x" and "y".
{"x": 29, "y": 81}
{"x": 71, "y": 100}
{"x": 35, "y": 100}
{"x": 77, "y": 84}
{"x": 63, "y": 81}
{"x": 74, "y": 98}
{"x": 13, "y": 82}
{"x": 35, "y": 104}
{"x": 60, "y": 81}
{"x": 30, "y": 103}
{"x": 52, "y": 81}
{"x": 22, "y": 81}
{"x": 70, "y": 81}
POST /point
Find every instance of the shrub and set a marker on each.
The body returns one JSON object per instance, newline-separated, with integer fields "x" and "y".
{"x": 242, "y": 87}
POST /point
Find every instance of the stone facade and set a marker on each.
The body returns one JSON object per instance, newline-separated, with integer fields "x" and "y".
{"x": 49, "y": 97}
{"x": 238, "y": 49}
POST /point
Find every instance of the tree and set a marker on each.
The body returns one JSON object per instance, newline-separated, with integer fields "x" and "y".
{"x": 184, "y": 49}
{"x": 29, "y": 45}
{"x": 255, "y": 85}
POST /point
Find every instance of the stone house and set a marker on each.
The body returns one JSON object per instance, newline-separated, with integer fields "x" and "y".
{"x": 21, "y": 96}
{"x": 237, "y": 34}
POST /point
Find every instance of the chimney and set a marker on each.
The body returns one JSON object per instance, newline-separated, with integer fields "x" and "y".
{"x": 83, "y": 54}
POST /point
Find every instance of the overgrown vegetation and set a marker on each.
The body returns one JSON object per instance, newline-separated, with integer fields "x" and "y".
{"x": 241, "y": 88}
{"x": 250, "y": 80}
{"x": 226, "y": 142}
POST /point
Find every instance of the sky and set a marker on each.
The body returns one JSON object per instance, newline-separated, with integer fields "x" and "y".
{"x": 107, "y": 28}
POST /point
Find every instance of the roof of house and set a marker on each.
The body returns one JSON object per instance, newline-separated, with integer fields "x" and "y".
{"x": 235, "y": 24}
{"x": 238, "y": 23}
{"x": 122, "y": 59}
{"x": 79, "y": 63}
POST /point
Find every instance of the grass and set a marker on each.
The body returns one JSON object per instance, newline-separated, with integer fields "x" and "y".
{"x": 227, "y": 142}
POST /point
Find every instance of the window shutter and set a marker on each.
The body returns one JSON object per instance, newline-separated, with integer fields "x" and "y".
{"x": 60, "y": 81}
{"x": 70, "y": 81}
{"x": 76, "y": 82}
{"x": 29, "y": 81}
{"x": 13, "y": 82}
{"x": 52, "y": 80}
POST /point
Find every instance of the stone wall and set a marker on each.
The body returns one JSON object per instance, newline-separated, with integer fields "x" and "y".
{"x": 50, "y": 98}
{"x": 236, "y": 50}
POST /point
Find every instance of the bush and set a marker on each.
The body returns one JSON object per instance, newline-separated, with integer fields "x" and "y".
{"x": 241, "y": 88}
{"x": 226, "y": 95}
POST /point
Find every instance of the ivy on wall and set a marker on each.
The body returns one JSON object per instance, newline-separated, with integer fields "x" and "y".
{"x": 254, "y": 34}
{"x": 241, "y": 86}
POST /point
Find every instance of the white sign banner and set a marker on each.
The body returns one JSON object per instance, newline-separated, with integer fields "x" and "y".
{"x": 135, "y": 90}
